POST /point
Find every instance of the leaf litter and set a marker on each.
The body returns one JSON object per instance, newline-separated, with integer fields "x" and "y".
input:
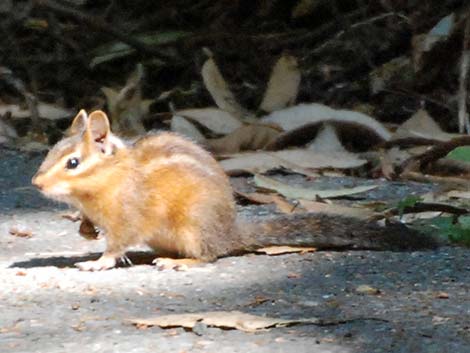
{"x": 306, "y": 193}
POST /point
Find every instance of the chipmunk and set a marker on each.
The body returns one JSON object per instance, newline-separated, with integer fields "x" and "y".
{"x": 167, "y": 192}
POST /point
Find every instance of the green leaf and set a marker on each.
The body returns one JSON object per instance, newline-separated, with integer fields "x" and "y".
{"x": 465, "y": 221}
{"x": 456, "y": 231}
{"x": 461, "y": 153}
{"x": 409, "y": 201}
{"x": 116, "y": 50}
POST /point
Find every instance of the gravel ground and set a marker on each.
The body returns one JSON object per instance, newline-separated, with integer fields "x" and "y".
{"x": 47, "y": 305}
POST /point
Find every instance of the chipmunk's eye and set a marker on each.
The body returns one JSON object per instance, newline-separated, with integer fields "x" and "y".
{"x": 72, "y": 163}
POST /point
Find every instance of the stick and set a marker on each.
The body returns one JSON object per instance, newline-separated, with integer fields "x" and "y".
{"x": 438, "y": 151}
{"x": 462, "y": 95}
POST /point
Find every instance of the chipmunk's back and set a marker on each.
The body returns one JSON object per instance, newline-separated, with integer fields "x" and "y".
{"x": 194, "y": 192}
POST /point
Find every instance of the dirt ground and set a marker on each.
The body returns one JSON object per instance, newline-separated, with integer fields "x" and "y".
{"x": 47, "y": 305}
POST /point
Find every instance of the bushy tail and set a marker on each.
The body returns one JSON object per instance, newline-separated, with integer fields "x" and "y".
{"x": 326, "y": 231}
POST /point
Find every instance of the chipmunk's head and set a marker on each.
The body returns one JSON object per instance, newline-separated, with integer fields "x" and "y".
{"x": 74, "y": 162}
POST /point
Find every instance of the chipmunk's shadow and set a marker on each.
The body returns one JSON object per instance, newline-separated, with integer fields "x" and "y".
{"x": 136, "y": 258}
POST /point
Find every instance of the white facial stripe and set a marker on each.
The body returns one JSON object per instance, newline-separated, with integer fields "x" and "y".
{"x": 62, "y": 163}
{"x": 84, "y": 165}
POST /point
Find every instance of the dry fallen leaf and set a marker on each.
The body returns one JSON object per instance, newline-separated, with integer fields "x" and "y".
{"x": 442, "y": 295}
{"x": 262, "y": 161}
{"x": 294, "y": 275}
{"x": 459, "y": 194}
{"x": 259, "y": 198}
{"x": 219, "y": 89}
{"x": 422, "y": 125}
{"x": 171, "y": 295}
{"x": 88, "y": 230}
{"x": 223, "y": 319}
{"x": 258, "y": 300}
{"x": 45, "y": 110}
{"x": 280, "y": 250}
{"x": 422, "y": 44}
{"x": 283, "y": 84}
{"x": 321, "y": 207}
{"x": 126, "y": 106}
{"x": 21, "y": 233}
{"x": 74, "y": 216}
{"x": 215, "y": 119}
{"x": 306, "y": 193}
{"x": 81, "y": 326}
{"x": 184, "y": 127}
{"x": 366, "y": 289}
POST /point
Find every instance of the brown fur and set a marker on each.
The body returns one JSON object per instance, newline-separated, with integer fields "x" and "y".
{"x": 169, "y": 193}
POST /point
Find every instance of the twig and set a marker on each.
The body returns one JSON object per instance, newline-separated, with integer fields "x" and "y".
{"x": 407, "y": 142}
{"x": 101, "y": 25}
{"x": 355, "y": 25}
{"x": 449, "y": 182}
{"x": 464, "y": 125}
{"x": 419, "y": 96}
{"x": 441, "y": 150}
{"x": 428, "y": 207}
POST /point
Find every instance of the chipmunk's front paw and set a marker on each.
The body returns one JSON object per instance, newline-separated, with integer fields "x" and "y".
{"x": 103, "y": 263}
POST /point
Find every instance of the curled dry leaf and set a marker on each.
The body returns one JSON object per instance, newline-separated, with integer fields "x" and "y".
{"x": 306, "y": 193}
{"x": 186, "y": 128}
{"x": 302, "y": 114}
{"x": 215, "y": 119}
{"x": 335, "y": 134}
{"x": 248, "y": 137}
{"x": 423, "y": 44}
{"x": 283, "y": 85}
{"x": 126, "y": 106}
{"x": 223, "y": 319}
{"x": 219, "y": 89}
{"x": 280, "y": 250}
{"x": 260, "y": 162}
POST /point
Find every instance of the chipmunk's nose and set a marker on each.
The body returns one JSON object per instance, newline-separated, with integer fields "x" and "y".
{"x": 36, "y": 181}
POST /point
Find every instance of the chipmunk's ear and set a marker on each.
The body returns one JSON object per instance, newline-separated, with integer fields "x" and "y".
{"x": 79, "y": 123}
{"x": 98, "y": 133}
{"x": 98, "y": 126}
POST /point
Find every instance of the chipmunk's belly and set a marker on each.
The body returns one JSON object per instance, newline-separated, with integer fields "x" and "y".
{"x": 163, "y": 245}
